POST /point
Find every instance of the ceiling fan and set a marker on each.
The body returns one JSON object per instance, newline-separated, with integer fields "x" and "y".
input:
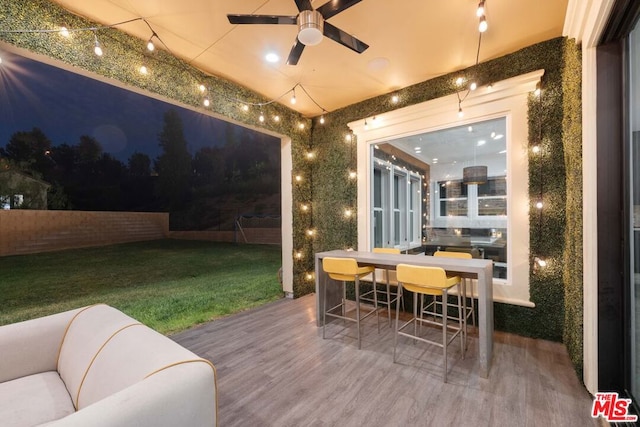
{"x": 311, "y": 24}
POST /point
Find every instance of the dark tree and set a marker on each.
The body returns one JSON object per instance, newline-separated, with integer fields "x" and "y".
{"x": 30, "y": 151}
{"x": 139, "y": 164}
{"x": 174, "y": 164}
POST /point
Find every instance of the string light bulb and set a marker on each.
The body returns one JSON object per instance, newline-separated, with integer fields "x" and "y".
{"x": 366, "y": 125}
{"x": 293, "y": 97}
{"x": 311, "y": 232}
{"x": 298, "y": 255}
{"x": 539, "y": 204}
{"x": 245, "y": 107}
{"x": 304, "y": 207}
{"x": 143, "y": 70}
{"x": 541, "y": 262}
{"x": 473, "y": 86}
{"x": 202, "y": 88}
{"x": 276, "y": 118}
{"x": 538, "y": 90}
{"x": 150, "y": 46}
{"x": 480, "y": 10}
{"x": 261, "y": 118}
{"x": 311, "y": 155}
{"x": 536, "y": 149}
{"x": 97, "y": 49}
{"x": 206, "y": 102}
{"x": 353, "y": 175}
{"x": 395, "y": 99}
{"x": 460, "y": 112}
{"x": 459, "y": 81}
{"x": 64, "y": 32}
{"x": 322, "y": 119}
{"x": 482, "y": 26}
{"x": 348, "y": 213}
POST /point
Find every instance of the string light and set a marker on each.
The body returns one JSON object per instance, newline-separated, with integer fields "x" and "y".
{"x": 353, "y": 175}
{"x": 206, "y": 102}
{"x": 482, "y": 26}
{"x": 304, "y": 207}
{"x": 301, "y": 126}
{"x": 539, "y": 204}
{"x": 261, "y": 118}
{"x": 309, "y": 276}
{"x": 64, "y": 32}
{"x": 245, "y": 107}
{"x": 202, "y": 88}
{"x": 97, "y": 48}
{"x": 347, "y": 137}
{"x": 311, "y": 232}
{"x": 322, "y": 119}
{"x": 480, "y": 10}
{"x": 298, "y": 178}
{"x": 541, "y": 262}
{"x": 143, "y": 69}
{"x": 150, "y": 46}
{"x": 536, "y": 149}
{"x": 298, "y": 255}
{"x": 310, "y": 155}
{"x": 538, "y": 90}
{"x": 395, "y": 99}
{"x": 276, "y": 118}
{"x": 293, "y": 98}
{"x": 460, "y": 112}
{"x": 473, "y": 86}
{"x": 348, "y": 213}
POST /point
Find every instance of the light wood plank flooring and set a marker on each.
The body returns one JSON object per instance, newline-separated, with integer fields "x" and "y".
{"x": 274, "y": 369}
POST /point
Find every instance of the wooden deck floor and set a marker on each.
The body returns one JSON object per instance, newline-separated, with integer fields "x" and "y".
{"x": 274, "y": 369}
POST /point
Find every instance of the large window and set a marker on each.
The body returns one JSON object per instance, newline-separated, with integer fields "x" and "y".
{"x": 500, "y": 225}
{"x": 397, "y": 208}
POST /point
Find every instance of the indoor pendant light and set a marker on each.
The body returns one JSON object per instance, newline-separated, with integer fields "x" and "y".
{"x": 474, "y": 174}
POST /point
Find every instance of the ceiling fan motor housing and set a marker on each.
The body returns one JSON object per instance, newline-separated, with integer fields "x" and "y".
{"x": 310, "y": 27}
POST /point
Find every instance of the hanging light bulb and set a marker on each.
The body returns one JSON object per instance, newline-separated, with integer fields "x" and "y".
{"x": 538, "y": 90}
{"x": 541, "y": 262}
{"x": 276, "y": 118}
{"x": 245, "y": 107}
{"x": 206, "y": 102}
{"x": 482, "y": 26}
{"x": 64, "y": 32}
{"x": 460, "y": 112}
{"x": 150, "y": 46}
{"x": 473, "y": 86}
{"x": 480, "y": 10}
{"x": 322, "y": 119}
{"x": 202, "y": 88}
{"x": 459, "y": 81}
{"x": 261, "y": 118}
{"x": 366, "y": 125}
{"x": 536, "y": 149}
{"x": 539, "y": 205}
{"x": 348, "y": 213}
{"x": 143, "y": 69}
{"x": 395, "y": 99}
{"x": 353, "y": 175}
{"x": 293, "y": 98}
{"x": 97, "y": 48}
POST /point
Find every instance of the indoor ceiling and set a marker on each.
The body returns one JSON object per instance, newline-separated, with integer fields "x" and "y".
{"x": 410, "y": 41}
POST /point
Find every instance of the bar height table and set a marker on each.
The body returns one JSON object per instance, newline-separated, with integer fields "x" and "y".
{"x": 481, "y": 269}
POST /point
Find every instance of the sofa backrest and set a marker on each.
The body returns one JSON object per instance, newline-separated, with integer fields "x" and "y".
{"x": 105, "y": 351}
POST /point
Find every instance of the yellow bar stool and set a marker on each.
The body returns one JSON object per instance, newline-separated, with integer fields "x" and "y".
{"x": 386, "y": 277}
{"x": 428, "y": 281}
{"x": 347, "y": 270}
{"x": 469, "y": 310}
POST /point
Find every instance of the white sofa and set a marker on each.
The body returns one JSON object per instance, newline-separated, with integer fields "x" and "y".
{"x": 96, "y": 366}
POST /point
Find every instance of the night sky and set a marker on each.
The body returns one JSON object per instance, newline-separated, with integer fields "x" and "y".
{"x": 65, "y": 106}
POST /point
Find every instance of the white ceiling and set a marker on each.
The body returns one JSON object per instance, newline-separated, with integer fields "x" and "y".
{"x": 410, "y": 41}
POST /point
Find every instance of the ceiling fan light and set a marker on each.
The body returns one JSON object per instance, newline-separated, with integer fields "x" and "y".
{"x": 310, "y": 27}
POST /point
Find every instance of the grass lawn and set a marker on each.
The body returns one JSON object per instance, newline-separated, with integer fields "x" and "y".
{"x": 169, "y": 285}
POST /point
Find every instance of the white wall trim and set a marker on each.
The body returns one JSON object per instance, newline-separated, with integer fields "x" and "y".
{"x": 506, "y": 98}
{"x": 585, "y": 21}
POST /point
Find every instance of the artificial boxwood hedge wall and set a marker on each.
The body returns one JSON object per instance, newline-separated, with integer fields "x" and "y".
{"x": 554, "y": 124}
{"x": 324, "y": 183}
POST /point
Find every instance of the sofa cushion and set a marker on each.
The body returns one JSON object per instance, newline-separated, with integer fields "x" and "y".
{"x": 87, "y": 333}
{"x": 130, "y": 356}
{"x": 33, "y": 400}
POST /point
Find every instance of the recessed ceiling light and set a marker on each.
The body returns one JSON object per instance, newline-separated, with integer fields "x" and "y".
{"x": 502, "y": 152}
{"x": 498, "y": 136}
{"x": 481, "y": 142}
{"x": 470, "y": 129}
{"x": 272, "y": 57}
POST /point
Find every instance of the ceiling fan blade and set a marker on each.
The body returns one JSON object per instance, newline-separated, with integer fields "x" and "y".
{"x": 295, "y": 53}
{"x": 304, "y": 5}
{"x": 262, "y": 19}
{"x": 344, "y": 39}
{"x": 334, "y": 7}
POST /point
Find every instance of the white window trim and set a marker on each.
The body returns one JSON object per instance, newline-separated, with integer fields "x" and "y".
{"x": 389, "y": 170}
{"x": 507, "y": 98}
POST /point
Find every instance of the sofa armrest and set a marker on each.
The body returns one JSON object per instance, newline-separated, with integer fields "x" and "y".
{"x": 181, "y": 395}
{"x": 32, "y": 346}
